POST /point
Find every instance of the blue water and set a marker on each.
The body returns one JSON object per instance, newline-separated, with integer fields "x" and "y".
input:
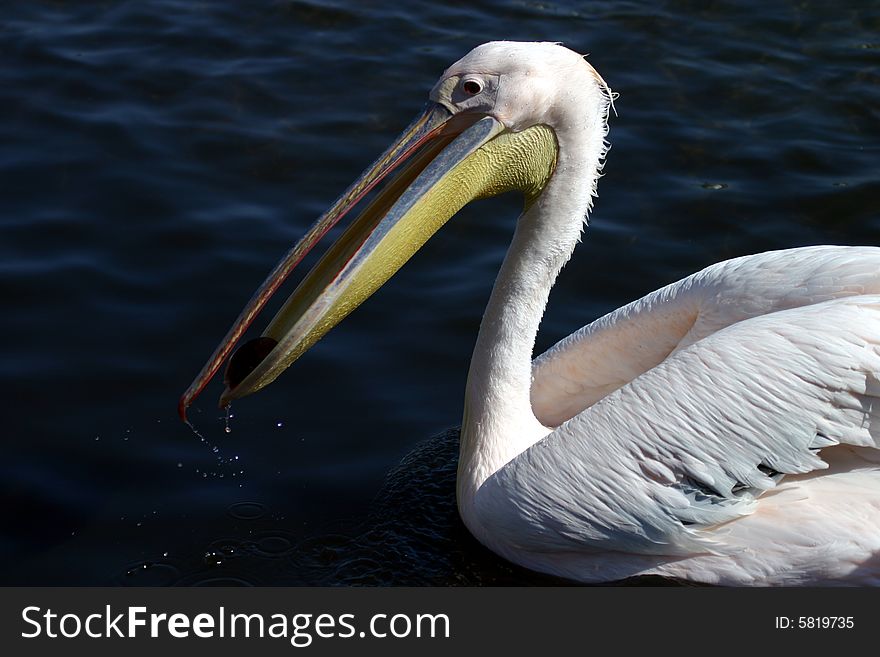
{"x": 159, "y": 157}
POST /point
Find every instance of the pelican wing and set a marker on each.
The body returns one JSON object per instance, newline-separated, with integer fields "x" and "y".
{"x": 696, "y": 440}
{"x": 612, "y": 351}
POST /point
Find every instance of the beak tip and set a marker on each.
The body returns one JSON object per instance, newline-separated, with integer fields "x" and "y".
{"x": 226, "y": 398}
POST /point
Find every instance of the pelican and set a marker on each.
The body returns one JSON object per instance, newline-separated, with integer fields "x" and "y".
{"x": 723, "y": 429}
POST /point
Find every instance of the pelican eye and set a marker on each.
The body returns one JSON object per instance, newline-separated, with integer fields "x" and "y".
{"x": 472, "y": 87}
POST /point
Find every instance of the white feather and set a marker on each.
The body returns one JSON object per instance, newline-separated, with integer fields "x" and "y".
{"x": 722, "y": 429}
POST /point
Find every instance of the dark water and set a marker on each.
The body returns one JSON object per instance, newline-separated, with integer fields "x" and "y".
{"x": 158, "y": 157}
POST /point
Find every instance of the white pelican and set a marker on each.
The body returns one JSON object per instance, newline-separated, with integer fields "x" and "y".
{"x": 723, "y": 429}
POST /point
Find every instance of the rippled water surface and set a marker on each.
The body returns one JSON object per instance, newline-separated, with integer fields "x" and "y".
{"x": 159, "y": 157}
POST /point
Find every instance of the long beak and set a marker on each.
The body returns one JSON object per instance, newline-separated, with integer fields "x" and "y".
{"x": 447, "y": 166}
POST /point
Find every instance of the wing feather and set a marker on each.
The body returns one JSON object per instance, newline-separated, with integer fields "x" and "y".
{"x": 655, "y": 466}
{"x": 612, "y": 351}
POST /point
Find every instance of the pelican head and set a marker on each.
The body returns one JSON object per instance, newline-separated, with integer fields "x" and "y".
{"x": 499, "y": 119}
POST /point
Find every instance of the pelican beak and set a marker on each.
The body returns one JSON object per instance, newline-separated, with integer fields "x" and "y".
{"x": 445, "y": 160}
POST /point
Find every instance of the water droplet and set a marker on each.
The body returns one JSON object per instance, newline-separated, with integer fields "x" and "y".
{"x": 151, "y": 574}
{"x": 213, "y": 558}
{"x": 228, "y": 417}
{"x": 219, "y": 555}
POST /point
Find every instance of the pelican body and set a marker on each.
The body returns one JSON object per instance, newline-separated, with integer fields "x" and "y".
{"x": 723, "y": 429}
